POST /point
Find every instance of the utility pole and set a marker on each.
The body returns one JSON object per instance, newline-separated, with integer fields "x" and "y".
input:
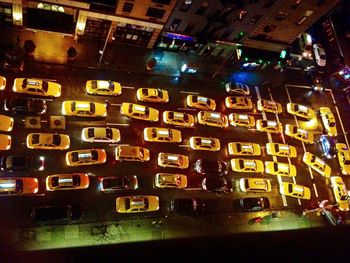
{"x": 101, "y": 52}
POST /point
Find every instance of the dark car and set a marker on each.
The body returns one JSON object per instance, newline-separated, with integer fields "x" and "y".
{"x": 25, "y": 106}
{"x": 12, "y": 61}
{"x": 57, "y": 214}
{"x": 254, "y": 203}
{"x": 18, "y": 163}
{"x": 187, "y": 205}
{"x": 214, "y": 167}
{"x": 115, "y": 183}
{"x": 328, "y": 146}
{"x": 216, "y": 184}
{"x": 317, "y": 80}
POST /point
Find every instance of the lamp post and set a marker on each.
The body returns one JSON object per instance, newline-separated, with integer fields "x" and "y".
{"x": 101, "y": 52}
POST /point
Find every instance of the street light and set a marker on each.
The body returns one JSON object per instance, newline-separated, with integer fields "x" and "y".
{"x": 101, "y": 52}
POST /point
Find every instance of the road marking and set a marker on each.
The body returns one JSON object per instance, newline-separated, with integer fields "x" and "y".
{"x": 347, "y": 97}
{"x": 189, "y": 92}
{"x": 315, "y": 189}
{"x": 115, "y": 104}
{"x": 118, "y": 124}
{"x": 46, "y": 99}
{"x": 118, "y": 144}
{"x": 186, "y": 109}
{"x": 43, "y": 121}
{"x": 298, "y": 86}
{"x": 128, "y": 87}
{"x": 184, "y": 145}
{"x": 193, "y": 189}
{"x": 294, "y": 68}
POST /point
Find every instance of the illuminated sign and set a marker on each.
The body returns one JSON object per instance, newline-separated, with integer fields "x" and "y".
{"x": 271, "y": 123}
{"x": 179, "y": 36}
{"x": 65, "y": 180}
{"x": 7, "y": 185}
{"x": 203, "y": 99}
{"x": 243, "y": 116}
{"x": 103, "y": 84}
{"x": 206, "y": 141}
{"x": 250, "y": 163}
{"x": 83, "y": 106}
{"x": 163, "y": 132}
{"x": 215, "y": 115}
{"x": 140, "y": 108}
{"x": 178, "y": 115}
{"x": 172, "y": 157}
{"x": 33, "y": 82}
{"x": 84, "y": 155}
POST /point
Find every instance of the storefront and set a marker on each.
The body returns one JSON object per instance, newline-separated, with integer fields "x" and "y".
{"x": 176, "y": 42}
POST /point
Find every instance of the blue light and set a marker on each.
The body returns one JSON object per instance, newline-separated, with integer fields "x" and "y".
{"x": 179, "y": 36}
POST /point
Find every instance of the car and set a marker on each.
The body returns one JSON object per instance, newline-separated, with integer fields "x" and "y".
{"x": 320, "y": 55}
{"x": 15, "y": 163}
{"x": 242, "y": 120}
{"x": 157, "y": 134}
{"x": 216, "y": 184}
{"x": 300, "y": 111}
{"x": 204, "y": 143}
{"x": 86, "y": 157}
{"x": 238, "y": 103}
{"x": 253, "y": 204}
{"x": 131, "y": 153}
{"x": 111, "y": 184}
{"x": 184, "y": 120}
{"x": 100, "y": 134}
{"x": 55, "y": 214}
{"x": 316, "y": 80}
{"x": 37, "y": 87}
{"x": 254, "y": 185}
{"x": 299, "y": 134}
{"x": 214, "y": 119}
{"x": 18, "y": 185}
{"x": 84, "y": 108}
{"x": 137, "y": 203}
{"x": 214, "y": 167}
{"x": 269, "y": 106}
{"x": 170, "y": 180}
{"x": 269, "y": 126}
{"x": 305, "y": 44}
{"x": 139, "y": 112}
{"x": 103, "y": 87}
{"x": 295, "y": 190}
{"x": 48, "y": 141}
{"x": 71, "y": 181}
{"x": 244, "y": 148}
{"x": 237, "y": 88}
{"x": 5, "y": 142}
{"x": 340, "y": 193}
{"x": 200, "y": 102}
{"x": 2, "y": 83}
{"x": 152, "y": 95}
{"x": 343, "y": 154}
{"x": 279, "y": 168}
{"x": 328, "y": 146}
{"x": 280, "y": 149}
{"x": 6, "y": 123}
{"x": 187, "y": 205}
{"x": 317, "y": 164}
{"x": 173, "y": 160}
{"x": 12, "y": 60}
{"x": 25, "y": 106}
{"x": 247, "y": 165}
{"x": 328, "y": 121}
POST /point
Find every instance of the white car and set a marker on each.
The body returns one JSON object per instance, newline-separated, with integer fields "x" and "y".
{"x": 320, "y": 55}
{"x": 237, "y": 88}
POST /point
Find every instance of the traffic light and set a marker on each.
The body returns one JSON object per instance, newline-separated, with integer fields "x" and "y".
{"x": 283, "y": 54}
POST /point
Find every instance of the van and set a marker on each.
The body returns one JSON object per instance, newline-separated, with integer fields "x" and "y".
{"x": 131, "y": 153}
{"x": 305, "y": 44}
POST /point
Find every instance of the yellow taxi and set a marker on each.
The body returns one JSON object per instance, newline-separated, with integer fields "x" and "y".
{"x": 300, "y": 111}
{"x": 238, "y": 103}
{"x": 5, "y": 142}
{"x": 155, "y": 134}
{"x": 152, "y": 95}
{"x": 84, "y": 108}
{"x": 100, "y": 134}
{"x": 269, "y": 106}
{"x": 6, "y": 123}
{"x": 278, "y": 168}
{"x": 181, "y": 119}
{"x": 247, "y": 165}
{"x": 200, "y": 102}
{"x": 343, "y": 154}
{"x": 103, "y": 87}
{"x": 269, "y": 126}
{"x": 317, "y": 164}
{"x": 37, "y": 87}
{"x": 211, "y": 118}
{"x": 137, "y": 203}
{"x": 173, "y": 160}
{"x": 340, "y": 193}
{"x": 280, "y": 149}
{"x": 295, "y": 190}
{"x": 167, "y": 180}
{"x": 328, "y": 121}
{"x": 18, "y": 185}
{"x": 2, "y": 83}
{"x": 67, "y": 181}
{"x": 299, "y": 134}
{"x": 242, "y": 120}
{"x": 255, "y": 185}
{"x": 86, "y": 157}
{"x": 204, "y": 143}
{"x": 131, "y": 153}
{"x": 244, "y": 148}
{"x": 139, "y": 112}
{"x": 48, "y": 141}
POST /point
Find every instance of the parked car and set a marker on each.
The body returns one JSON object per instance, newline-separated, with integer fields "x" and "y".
{"x": 216, "y": 184}
{"x": 187, "y": 205}
{"x": 37, "y": 87}
{"x": 21, "y": 162}
{"x": 18, "y": 185}
{"x": 328, "y": 146}
{"x": 320, "y": 55}
{"x": 57, "y": 214}
{"x": 316, "y": 80}
{"x": 116, "y": 183}
{"x": 137, "y": 203}
{"x": 25, "y": 106}
{"x": 237, "y": 88}
{"x": 205, "y": 166}
{"x": 254, "y": 203}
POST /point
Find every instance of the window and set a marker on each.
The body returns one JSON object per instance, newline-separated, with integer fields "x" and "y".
{"x": 155, "y": 12}
{"x": 189, "y": 28}
{"x": 163, "y": 2}
{"x": 186, "y": 4}
{"x": 128, "y": 7}
{"x": 201, "y": 10}
{"x": 175, "y": 24}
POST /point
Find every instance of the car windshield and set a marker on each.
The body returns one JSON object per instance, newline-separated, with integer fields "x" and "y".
{"x": 76, "y": 180}
{"x": 114, "y": 182}
{"x": 56, "y": 139}
{"x": 35, "y": 138}
{"x": 91, "y": 132}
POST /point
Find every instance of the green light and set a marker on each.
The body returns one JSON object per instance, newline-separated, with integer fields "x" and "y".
{"x": 245, "y": 59}
{"x": 279, "y": 62}
{"x": 268, "y": 62}
{"x": 283, "y": 54}
{"x": 260, "y": 61}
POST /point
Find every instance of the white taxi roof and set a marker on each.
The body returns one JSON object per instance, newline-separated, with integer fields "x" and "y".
{"x": 139, "y": 108}
{"x": 243, "y": 116}
{"x": 203, "y": 99}
{"x": 215, "y": 115}
{"x": 173, "y": 157}
{"x": 163, "y": 132}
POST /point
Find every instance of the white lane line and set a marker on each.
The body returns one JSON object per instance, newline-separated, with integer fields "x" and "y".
{"x": 189, "y": 92}
{"x": 184, "y": 145}
{"x": 117, "y": 144}
{"x": 295, "y": 68}
{"x": 187, "y": 109}
{"x": 118, "y": 124}
{"x": 347, "y": 97}
{"x": 46, "y": 99}
{"x": 193, "y": 189}
{"x": 298, "y": 86}
{"x": 128, "y": 87}
{"x": 43, "y": 121}
{"x": 116, "y": 104}
{"x": 341, "y": 122}
{"x": 279, "y": 179}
